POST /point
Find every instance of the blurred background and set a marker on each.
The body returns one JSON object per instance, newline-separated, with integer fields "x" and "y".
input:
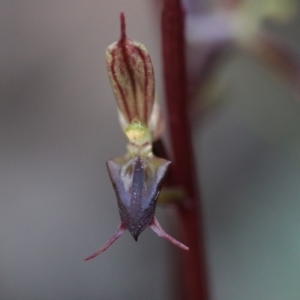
{"x": 58, "y": 126}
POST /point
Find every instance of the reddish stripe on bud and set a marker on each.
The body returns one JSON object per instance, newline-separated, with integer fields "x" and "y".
{"x": 132, "y": 78}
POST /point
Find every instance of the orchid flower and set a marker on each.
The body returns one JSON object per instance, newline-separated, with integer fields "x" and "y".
{"x": 238, "y": 20}
{"x": 136, "y": 176}
{"x": 241, "y": 23}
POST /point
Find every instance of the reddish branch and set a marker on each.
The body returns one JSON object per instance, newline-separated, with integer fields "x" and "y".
{"x": 195, "y": 285}
{"x": 275, "y": 54}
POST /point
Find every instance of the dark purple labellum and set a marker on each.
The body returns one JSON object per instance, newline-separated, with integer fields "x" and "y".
{"x": 137, "y": 184}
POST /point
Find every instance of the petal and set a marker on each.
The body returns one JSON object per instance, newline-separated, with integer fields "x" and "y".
{"x": 155, "y": 226}
{"x": 120, "y": 230}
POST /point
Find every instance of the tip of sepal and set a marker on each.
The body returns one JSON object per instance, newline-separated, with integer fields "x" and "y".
{"x": 123, "y": 26}
{"x": 120, "y": 230}
{"x": 155, "y": 226}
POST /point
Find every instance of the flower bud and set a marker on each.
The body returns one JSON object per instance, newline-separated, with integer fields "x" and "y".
{"x": 132, "y": 78}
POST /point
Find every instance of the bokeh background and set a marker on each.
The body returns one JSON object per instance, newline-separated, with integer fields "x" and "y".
{"x": 58, "y": 126}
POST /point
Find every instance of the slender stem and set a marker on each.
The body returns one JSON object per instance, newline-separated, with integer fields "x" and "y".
{"x": 195, "y": 283}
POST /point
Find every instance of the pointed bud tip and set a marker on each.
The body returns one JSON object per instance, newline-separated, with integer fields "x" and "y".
{"x": 123, "y": 25}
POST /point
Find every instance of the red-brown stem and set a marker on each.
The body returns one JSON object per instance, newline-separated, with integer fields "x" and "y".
{"x": 195, "y": 283}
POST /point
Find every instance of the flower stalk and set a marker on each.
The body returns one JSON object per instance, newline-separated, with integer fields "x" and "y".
{"x": 194, "y": 276}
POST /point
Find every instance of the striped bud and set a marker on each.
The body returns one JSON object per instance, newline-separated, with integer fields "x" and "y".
{"x": 132, "y": 78}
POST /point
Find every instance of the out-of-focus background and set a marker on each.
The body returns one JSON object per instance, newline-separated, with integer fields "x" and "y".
{"x": 58, "y": 126}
